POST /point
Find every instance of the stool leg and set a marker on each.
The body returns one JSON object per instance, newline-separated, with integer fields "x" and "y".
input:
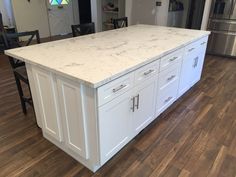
{"x": 20, "y": 91}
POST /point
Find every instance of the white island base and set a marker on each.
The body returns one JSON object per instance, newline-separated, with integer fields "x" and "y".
{"x": 93, "y": 121}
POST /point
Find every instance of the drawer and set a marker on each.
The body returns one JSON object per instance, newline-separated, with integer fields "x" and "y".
{"x": 196, "y": 46}
{"x": 147, "y": 72}
{"x": 115, "y": 88}
{"x": 170, "y": 59}
{"x": 192, "y": 48}
{"x": 203, "y": 43}
{"x": 167, "y": 96}
{"x": 169, "y": 75}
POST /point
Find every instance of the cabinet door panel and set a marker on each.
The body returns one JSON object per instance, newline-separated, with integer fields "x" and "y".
{"x": 144, "y": 105}
{"x": 114, "y": 125}
{"x": 47, "y": 95}
{"x": 71, "y": 96}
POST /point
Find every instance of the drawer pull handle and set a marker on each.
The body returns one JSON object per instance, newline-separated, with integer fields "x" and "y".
{"x": 148, "y": 72}
{"x": 203, "y": 43}
{"x": 173, "y": 59}
{"x": 137, "y": 105}
{"x": 168, "y": 99}
{"x": 191, "y": 49}
{"x": 133, "y": 104}
{"x": 171, "y": 77}
{"x": 119, "y": 88}
{"x": 195, "y": 62}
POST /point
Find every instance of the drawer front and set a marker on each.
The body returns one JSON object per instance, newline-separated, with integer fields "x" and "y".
{"x": 115, "y": 88}
{"x": 203, "y": 43}
{"x": 196, "y": 46}
{"x": 147, "y": 72}
{"x": 167, "y": 96}
{"x": 170, "y": 59}
{"x": 192, "y": 48}
{"x": 169, "y": 76}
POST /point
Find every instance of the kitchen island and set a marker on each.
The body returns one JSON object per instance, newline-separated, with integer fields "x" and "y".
{"x": 93, "y": 94}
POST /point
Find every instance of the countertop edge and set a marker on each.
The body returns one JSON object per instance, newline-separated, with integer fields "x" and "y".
{"x": 113, "y": 77}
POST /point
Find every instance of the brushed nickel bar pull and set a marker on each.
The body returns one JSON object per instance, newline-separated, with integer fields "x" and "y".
{"x": 171, "y": 77}
{"x": 173, "y": 59}
{"x": 148, "y": 72}
{"x": 168, "y": 99}
{"x": 133, "y": 104}
{"x": 119, "y": 88}
{"x": 191, "y": 49}
{"x": 137, "y": 105}
{"x": 203, "y": 43}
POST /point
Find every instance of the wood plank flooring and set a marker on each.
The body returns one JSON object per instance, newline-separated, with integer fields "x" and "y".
{"x": 196, "y": 137}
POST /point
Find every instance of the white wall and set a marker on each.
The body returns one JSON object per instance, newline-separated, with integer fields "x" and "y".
{"x": 206, "y": 14}
{"x": 96, "y": 10}
{"x": 7, "y": 13}
{"x": 31, "y": 15}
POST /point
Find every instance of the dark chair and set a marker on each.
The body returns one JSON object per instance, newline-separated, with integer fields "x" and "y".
{"x": 120, "y": 22}
{"x": 83, "y": 29}
{"x": 11, "y": 41}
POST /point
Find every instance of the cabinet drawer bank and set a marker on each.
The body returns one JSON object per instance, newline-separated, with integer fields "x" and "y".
{"x": 93, "y": 124}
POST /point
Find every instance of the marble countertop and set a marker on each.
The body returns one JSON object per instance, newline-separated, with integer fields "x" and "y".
{"x": 99, "y": 58}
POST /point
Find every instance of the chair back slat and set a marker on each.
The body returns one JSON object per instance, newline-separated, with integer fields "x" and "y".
{"x": 83, "y": 29}
{"x": 120, "y": 22}
{"x": 12, "y": 40}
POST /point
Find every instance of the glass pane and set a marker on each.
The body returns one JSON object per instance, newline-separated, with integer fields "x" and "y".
{"x": 59, "y": 2}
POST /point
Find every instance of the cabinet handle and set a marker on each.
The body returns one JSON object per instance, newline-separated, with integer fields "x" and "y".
{"x": 148, "y": 72}
{"x": 133, "y": 104}
{"x": 203, "y": 43}
{"x": 171, "y": 77}
{"x": 168, "y": 99}
{"x": 195, "y": 62}
{"x": 137, "y": 105}
{"x": 173, "y": 59}
{"x": 191, "y": 49}
{"x": 119, "y": 88}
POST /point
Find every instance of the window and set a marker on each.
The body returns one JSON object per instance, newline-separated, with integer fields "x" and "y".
{"x": 59, "y": 2}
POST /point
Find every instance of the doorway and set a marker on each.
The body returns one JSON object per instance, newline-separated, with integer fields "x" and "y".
{"x": 186, "y": 13}
{"x": 196, "y": 11}
{"x": 61, "y": 15}
{"x": 85, "y": 11}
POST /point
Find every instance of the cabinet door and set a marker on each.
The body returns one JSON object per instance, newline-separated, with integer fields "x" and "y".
{"x": 144, "y": 105}
{"x": 115, "y": 125}
{"x": 185, "y": 76}
{"x": 47, "y": 97}
{"x": 73, "y": 116}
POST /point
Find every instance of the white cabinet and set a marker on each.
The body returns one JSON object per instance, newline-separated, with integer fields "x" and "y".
{"x": 115, "y": 125}
{"x": 73, "y": 118}
{"x": 144, "y": 105}
{"x": 45, "y": 85}
{"x": 192, "y": 65}
{"x": 93, "y": 124}
{"x": 168, "y": 87}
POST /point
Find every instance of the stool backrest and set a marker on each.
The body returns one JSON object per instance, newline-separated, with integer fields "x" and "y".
{"x": 120, "y": 22}
{"x": 12, "y": 40}
{"x": 83, "y": 29}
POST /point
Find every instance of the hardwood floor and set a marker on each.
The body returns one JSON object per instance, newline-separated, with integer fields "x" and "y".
{"x": 196, "y": 137}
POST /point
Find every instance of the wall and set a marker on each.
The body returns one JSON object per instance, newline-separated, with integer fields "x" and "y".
{"x": 128, "y": 10}
{"x": 206, "y": 14}
{"x": 7, "y": 13}
{"x": 31, "y": 16}
{"x": 97, "y": 14}
{"x": 162, "y": 13}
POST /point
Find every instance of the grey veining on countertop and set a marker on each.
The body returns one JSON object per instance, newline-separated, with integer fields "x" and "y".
{"x": 99, "y": 58}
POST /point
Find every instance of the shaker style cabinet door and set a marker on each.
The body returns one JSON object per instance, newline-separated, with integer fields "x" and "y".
{"x": 73, "y": 116}
{"x": 144, "y": 105}
{"x": 115, "y": 125}
{"x": 46, "y": 91}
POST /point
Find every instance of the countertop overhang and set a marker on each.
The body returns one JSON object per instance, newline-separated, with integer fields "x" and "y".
{"x": 99, "y": 58}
